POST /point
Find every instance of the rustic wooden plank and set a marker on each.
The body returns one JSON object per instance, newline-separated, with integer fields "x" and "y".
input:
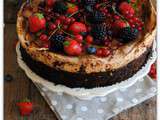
{"x": 21, "y": 87}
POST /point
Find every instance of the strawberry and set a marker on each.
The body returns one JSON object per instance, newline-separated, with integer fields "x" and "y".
{"x": 153, "y": 72}
{"x": 25, "y": 107}
{"x": 72, "y": 47}
{"x": 125, "y": 8}
{"x": 77, "y": 28}
{"x": 119, "y": 24}
{"x": 72, "y": 8}
{"x": 37, "y": 22}
{"x": 79, "y": 38}
{"x": 50, "y": 2}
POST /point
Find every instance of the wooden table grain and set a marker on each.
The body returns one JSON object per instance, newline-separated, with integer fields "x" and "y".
{"x": 21, "y": 87}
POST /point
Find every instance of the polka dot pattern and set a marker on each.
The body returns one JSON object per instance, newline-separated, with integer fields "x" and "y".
{"x": 84, "y": 108}
{"x": 69, "y": 106}
{"x": 100, "y": 111}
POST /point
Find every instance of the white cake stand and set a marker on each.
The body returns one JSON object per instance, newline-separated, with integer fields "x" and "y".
{"x": 82, "y": 93}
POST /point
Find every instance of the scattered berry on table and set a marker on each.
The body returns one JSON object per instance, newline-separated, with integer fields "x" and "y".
{"x": 25, "y": 107}
{"x": 8, "y": 77}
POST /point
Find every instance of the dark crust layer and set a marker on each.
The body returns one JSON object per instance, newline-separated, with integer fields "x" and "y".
{"x": 75, "y": 80}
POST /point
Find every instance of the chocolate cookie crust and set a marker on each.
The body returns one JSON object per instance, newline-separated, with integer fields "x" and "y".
{"x": 81, "y": 79}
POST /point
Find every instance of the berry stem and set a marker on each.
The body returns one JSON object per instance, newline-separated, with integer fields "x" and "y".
{"x": 105, "y": 3}
{"x": 114, "y": 9}
{"x": 67, "y": 33}
{"x": 75, "y": 12}
{"x": 53, "y": 33}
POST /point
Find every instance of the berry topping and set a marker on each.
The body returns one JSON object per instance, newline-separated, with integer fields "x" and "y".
{"x": 37, "y": 22}
{"x": 43, "y": 37}
{"x": 60, "y": 7}
{"x": 126, "y": 9}
{"x": 79, "y": 38}
{"x": 50, "y": 2}
{"x": 89, "y": 2}
{"x": 99, "y": 32}
{"x": 103, "y": 52}
{"x": 56, "y": 42}
{"x": 72, "y": 47}
{"x": 96, "y": 17}
{"x": 77, "y": 28}
{"x": 72, "y": 8}
{"x": 89, "y": 39}
{"x": 127, "y": 34}
{"x": 91, "y": 50}
{"x": 119, "y": 24}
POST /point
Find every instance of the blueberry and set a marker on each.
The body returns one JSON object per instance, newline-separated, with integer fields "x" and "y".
{"x": 8, "y": 77}
{"x": 91, "y": 50}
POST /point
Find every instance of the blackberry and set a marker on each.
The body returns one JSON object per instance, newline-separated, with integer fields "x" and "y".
{"x": 60, "y": 7}
{"x": 96, "y": 17}
{"x": 99, "y": 32}
{"x": 56, "y": 42}
{"x": 89, "y": 2}
{"x": 127, "y": 34}
{"x": 88, "y": 8}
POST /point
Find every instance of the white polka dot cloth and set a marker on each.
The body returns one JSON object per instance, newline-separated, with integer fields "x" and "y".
{"x": 100, "y": 108}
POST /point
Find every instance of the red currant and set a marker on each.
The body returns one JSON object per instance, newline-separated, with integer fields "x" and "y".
{"x": 57, "y": 22}
{"x": 89, "y": 39}
{"x": 116, "y": 17}
{"x": 67, "y": 21}
{"x": 43, "y": 37}
{"x": 52, "y": 26}
{"x": 99, "y": 52}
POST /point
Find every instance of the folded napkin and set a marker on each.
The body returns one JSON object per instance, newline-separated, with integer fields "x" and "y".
{"x": 68, "y": 107}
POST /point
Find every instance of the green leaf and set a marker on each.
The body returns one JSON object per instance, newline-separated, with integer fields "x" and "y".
{"x": 39, "y": 15}
{"x": 66, "y": 43}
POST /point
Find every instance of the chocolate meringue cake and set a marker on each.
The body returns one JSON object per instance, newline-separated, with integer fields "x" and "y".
{"x": 86, "y": 43}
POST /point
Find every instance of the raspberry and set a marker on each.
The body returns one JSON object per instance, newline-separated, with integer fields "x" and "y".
{"x": 125, "y": 8}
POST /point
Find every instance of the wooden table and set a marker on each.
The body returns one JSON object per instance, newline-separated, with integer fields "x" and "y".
{"x": 21, "y": 87}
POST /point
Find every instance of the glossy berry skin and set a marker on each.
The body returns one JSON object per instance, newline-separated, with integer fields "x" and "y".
{"x": 119, "y": 24}
{"x": 79, "y": 38}
{"x": 43, "y": 37}
{"x": 50, "y": 2}
{"x": 56, "y": 42}
{"x": 72, "y": 47}
{"x": 91, "y": 50}
{"x": 103, "y": 52}
{"x": 153, "y": 72}
{"x": 125, "y": 8}
{"x": 89, "y": 39}
{"x": 37, "y": 22}
{"x": 72, "y": 8}
{"x": 77, "y": 28}
{"x": 52, "y": 26}
{"x": 25, "y": 108}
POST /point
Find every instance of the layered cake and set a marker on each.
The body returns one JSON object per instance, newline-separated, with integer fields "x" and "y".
{"x": 86, "y": 43}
